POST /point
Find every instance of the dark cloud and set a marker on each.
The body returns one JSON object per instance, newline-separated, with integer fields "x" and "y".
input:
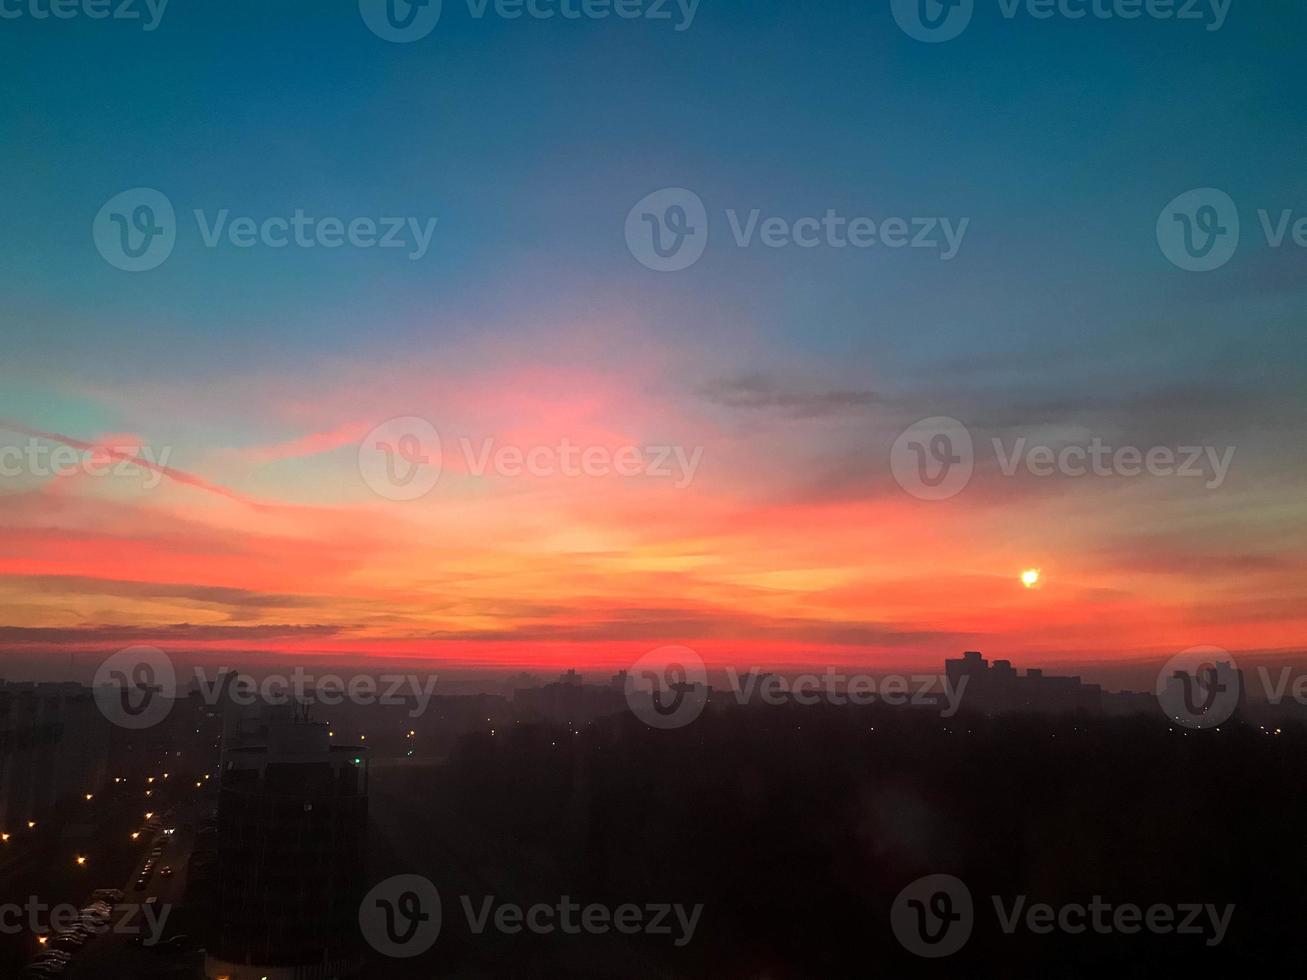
{"x": 217, "y": 595}
{"x": 757, "y": 392}
{"x": 175, "y": 632}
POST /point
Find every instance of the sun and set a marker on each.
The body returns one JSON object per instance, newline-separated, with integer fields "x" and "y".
{"x": 1030, "y": 577}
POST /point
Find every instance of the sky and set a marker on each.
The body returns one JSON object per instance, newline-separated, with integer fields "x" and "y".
{"x": 755, "y": 397}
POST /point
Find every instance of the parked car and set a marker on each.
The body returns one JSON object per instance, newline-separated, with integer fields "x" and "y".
{"x": 49, "y": 968}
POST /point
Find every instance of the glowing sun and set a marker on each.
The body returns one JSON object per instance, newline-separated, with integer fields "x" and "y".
{"x": 1030, "y": 577}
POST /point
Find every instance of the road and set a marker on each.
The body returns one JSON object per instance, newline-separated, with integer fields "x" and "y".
{"x": 116, "y": 955}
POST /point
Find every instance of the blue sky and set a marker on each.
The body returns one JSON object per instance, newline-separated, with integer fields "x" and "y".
{"x": 530, "y": 139}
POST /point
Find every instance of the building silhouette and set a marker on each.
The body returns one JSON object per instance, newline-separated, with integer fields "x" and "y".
{"x": 292, "y": 822}
{"x": 54, "y": 747}
{"x": 998, "y": 687}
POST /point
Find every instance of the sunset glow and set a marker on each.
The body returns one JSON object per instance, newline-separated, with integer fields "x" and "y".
{"x": 609, "y": 457}
{"x": 261, "y": 534}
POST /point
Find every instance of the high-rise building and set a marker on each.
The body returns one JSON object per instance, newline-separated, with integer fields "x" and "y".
{"x": 292, "y": 822}
{"x": 999, "y": 687}
{"x": 54, "y": 746}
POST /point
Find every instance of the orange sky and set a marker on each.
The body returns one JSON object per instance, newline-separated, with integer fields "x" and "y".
{"x": 792, "y": 544}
